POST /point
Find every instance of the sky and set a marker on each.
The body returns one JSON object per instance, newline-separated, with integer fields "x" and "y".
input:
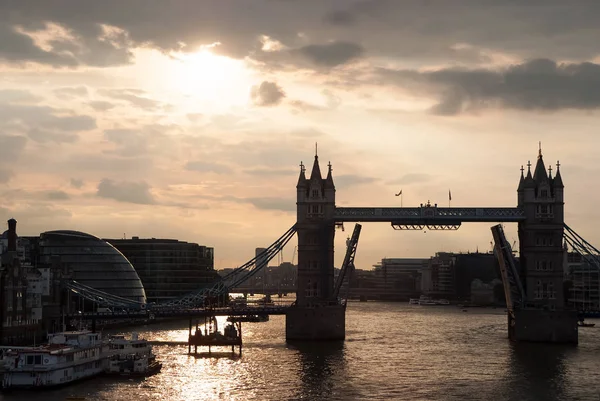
{"x": 189, "y": 119}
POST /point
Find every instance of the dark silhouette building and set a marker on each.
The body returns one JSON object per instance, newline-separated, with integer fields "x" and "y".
{"x": 15, "y": 311}
{"x": 474, "y": 266}
{"x": 29, "y": 291}
{"x": 92, "y": 262}
{"x": 169, "y": 268}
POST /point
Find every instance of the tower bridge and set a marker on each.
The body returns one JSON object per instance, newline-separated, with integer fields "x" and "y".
{"x": 534, "y": 289}
{"x": 537, "y": 311}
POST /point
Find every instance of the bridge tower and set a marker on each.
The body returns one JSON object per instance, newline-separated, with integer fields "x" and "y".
{"x": 544, "y": 315}
{"x": 317, "y": 315}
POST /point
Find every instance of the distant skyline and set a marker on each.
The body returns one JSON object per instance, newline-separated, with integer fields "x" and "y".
{"x": 189, "y": 119}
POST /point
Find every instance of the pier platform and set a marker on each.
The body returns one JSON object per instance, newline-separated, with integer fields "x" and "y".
{"x": 212, "y": 337}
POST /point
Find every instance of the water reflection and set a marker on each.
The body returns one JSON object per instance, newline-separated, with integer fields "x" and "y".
{"x": 322, "y": 367}
{"x": 539, "y": 371}
{"x": 392, "y": 352}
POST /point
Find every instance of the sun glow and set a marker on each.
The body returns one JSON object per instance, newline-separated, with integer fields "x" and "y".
{"x": 204, "y": 76}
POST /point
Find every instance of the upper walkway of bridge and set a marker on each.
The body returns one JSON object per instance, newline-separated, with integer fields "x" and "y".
{"x": 430, "y": 214}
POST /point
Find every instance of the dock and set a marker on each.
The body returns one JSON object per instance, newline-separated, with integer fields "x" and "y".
{"x": 212, "y": 337}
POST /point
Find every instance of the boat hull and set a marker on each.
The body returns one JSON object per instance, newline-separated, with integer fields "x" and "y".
{"x": 24, "y": 381}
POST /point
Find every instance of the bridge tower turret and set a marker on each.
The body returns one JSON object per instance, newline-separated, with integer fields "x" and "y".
{"x": 542, "y": 257}
{"x": 316, "y": 315}
{"x": 316, "y": 231}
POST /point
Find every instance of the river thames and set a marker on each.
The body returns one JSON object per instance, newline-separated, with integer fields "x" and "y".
{"x": 392, "y": 351}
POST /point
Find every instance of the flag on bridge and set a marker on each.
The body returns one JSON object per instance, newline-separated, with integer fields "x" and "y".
{"x": 399, "y": 193}
{"x": 449, "y": 195}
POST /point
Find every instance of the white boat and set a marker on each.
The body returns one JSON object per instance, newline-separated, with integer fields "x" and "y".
{"x": 132, "y": 365}
{"x": 67, "y": 357}
{"x": 413, "y": 301}
{"x": 119, "y": 345}
{"x": 132, "y": 357}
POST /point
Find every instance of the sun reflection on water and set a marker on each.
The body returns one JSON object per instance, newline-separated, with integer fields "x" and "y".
{"x": 392, "y": 351}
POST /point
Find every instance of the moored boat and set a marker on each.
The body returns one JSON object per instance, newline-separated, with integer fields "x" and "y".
{"x": 582, "y": 323}
{"x": 132, "y": 365}
{"x": 130, "y": 357}
{"x": 119, "y": 345}
{"x": 67, "y": 357}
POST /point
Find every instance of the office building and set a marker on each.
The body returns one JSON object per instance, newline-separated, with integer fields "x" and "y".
{"x": 168, "y": 268}
{"x": 92, "y": 262}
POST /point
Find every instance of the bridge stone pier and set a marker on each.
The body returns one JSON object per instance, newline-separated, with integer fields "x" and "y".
{"x": 317, "y": 314}
{"x": 538, "y": 312}
{"x": 543, "y": 315}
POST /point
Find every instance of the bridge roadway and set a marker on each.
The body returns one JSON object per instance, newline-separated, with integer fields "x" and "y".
{"x": 175, "y": 312}
{"x": 429, "y": 214}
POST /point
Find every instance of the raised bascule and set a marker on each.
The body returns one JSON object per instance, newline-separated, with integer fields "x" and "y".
{"x": 535, "y": 296}
{"x": 533, "y": 286}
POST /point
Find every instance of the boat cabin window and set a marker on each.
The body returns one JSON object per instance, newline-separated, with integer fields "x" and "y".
{"x": 33, "y": 360}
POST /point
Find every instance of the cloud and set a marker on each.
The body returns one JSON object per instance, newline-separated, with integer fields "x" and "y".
{"x": 270, "y": 203}
{"x": 11, "y": 147}
{"x": 38, "y": 37}
{"x": 267, "y": 94}
{"x": 56, "y": 195}
{"x": 331, "y": 54}
{"x": 413, "y": 178}
{"x": 132, "y": 97}
{"x": 151, "y": 140}
{"x": 101, "y": 105}
{"x": 18, "y": 96}
{"x": 540, "y": 84}
{"x": 5, "y": 175}
{"x": 207, "y": 167}
{"x": 92, "y": 162}
{"x": 125, "y": 191}
{"x": 73, "y": 33}
{"x": 129, "y": 142}
{"x": 194, "y": 117}
{"x": 44, "y": 117}
{"x": 263, "y": 203}
{"x": 267, "y": 172}
{"x": 347, "y": 180}
{"x": 305, "y": 106}
{"x": 76, "y": 183}
{"x": 320, "y": 57}
{"x": 71, "y": 92}
{"x": 332, "y": 102}
{"x": 340, "y": 17}
{"x": 43, "y": 136}
{"x": 307, "y": 133}
{"x": 19, "y": 48}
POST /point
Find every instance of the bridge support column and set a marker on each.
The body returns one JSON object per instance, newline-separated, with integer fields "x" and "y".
{"x": 535, "y": 325}
{"x": 317, "y": 314}
{"x": 316, "y": 322}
